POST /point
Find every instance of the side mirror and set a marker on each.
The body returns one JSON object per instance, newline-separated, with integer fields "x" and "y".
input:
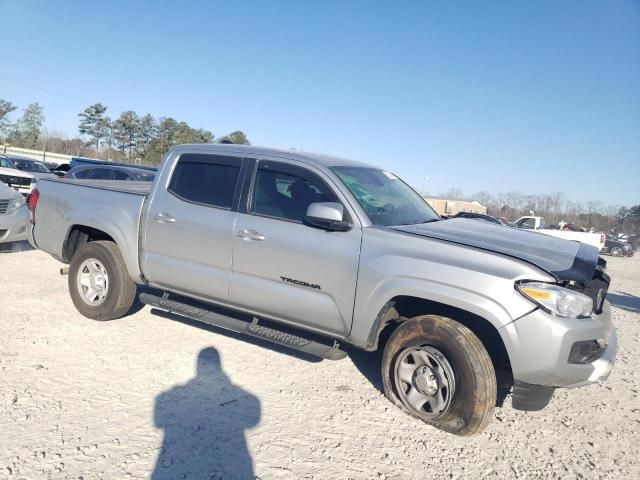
{"x": 328, "y": 216}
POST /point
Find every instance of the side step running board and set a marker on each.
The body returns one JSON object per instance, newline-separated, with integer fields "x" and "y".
{"x": 252, "y": 329}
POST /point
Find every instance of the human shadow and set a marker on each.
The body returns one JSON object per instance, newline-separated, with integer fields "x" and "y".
{"x": 624, "y": 301}
{"x": 204, "y": 422}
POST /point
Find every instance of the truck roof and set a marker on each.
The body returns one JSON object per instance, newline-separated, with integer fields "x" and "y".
{"x": 315, "y": 159}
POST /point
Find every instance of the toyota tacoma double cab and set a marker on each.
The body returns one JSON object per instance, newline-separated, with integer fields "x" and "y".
{"x": 312, "y": 251}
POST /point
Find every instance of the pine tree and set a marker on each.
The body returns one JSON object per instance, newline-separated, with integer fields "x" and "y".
{"x": 94, "y": 124}
{"x": 6, "y": 108}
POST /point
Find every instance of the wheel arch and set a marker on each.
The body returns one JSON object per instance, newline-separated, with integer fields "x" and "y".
{"x": 403, "y": 307}
{"x": 81, "y": 232}
{"x": 78, "y": 235}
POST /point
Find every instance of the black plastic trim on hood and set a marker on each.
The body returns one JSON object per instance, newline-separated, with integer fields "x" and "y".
{"x": 584, "y": 265}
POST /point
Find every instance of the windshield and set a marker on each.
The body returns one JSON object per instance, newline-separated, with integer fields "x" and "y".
{"x": 6, "y": 163}
{"x": 32, "y": 166}
{"x": 385, "y": 198}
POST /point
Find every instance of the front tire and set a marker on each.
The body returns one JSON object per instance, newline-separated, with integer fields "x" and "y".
{"x": 437, "y": 370}
{"x": 617, "y": 252}
{"x": 99, "y": 283}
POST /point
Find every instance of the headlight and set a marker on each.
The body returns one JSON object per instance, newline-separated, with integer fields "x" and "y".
{"x": 15, "y": 204}
{"x": 557, "y": 300}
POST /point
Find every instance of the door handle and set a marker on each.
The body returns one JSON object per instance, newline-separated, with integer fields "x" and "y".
{"x": 163, "y": 218}
{"x": 250, "y": 235}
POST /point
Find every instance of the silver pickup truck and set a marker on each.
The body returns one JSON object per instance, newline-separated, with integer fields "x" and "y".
{"x": 307, "y": 251}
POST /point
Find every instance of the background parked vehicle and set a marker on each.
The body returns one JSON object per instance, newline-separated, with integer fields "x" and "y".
{"x": 108, "y": 172}
{"x": 57, "y": 169}
{"x": 15, "y": 178}
{"x": 625, "y": 237}
{"x": 14, "y": 215}
{"x": 617, "y": 248}
{"x": 34, "y": 167}
{"x": 538, "y": 224}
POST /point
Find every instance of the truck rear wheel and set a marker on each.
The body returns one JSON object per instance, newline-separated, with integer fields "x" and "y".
{"x": 437, "y": 370}
{"x": 99, "y": 283}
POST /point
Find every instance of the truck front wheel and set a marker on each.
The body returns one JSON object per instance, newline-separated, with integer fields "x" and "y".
{"x": 437, "y": 370}
{"x": 99, "y": 283}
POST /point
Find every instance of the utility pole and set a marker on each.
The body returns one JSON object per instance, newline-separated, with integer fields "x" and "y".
{"x": 44, "y": 144}
{"x": 424, "y": 183}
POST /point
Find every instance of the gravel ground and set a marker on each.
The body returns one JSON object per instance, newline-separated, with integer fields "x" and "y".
{"x": 151, "y": 396}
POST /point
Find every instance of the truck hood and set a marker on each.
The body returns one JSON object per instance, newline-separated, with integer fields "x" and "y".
{"x": 14, "y": 172}
{"x": 564, "y": 259}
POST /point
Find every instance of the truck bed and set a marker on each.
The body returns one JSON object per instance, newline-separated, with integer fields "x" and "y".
{"x": 124, "y": 186}
{"x": 110, "y": 206}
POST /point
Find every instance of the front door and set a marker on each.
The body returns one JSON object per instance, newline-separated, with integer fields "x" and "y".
{"x": 189, "y": 226}
{"x": 285, "y": 269}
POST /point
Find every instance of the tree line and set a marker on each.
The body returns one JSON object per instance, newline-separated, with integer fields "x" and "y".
{"x": 128, "y": 137}
{"x": 142, "y": 137}
{"x": 555, "y": 207}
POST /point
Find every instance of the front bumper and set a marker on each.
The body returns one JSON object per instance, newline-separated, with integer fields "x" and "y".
{"x": 13, "y": 228}
{"x": 539, "y": 345}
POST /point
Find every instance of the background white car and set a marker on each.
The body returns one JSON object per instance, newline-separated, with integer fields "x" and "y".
{"x": 14, "y": 215}
{"x": 12, "y": 176}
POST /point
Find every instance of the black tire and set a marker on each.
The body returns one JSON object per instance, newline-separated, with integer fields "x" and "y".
{"x": 617, "y": 252}
{"x": 121, "y": 292}
{"x": 473, "y": 397}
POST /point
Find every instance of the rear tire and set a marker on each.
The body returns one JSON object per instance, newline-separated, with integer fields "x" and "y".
{"x": 441, "y": 362}
{"x": 617, "y": 252}
{"x": 99, "y": 282}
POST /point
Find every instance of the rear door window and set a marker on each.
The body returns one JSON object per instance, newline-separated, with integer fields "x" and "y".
{"x": 209, "y": 180}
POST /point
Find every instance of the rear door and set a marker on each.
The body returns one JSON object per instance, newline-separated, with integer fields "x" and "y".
{"x": 189, "y": 225}
{"x": 285, "y": 269}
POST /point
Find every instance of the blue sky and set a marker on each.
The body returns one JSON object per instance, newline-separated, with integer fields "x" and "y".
{"x": 531, "y": 96}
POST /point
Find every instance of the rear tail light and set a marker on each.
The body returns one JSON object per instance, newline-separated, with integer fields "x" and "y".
{"x": 34, "y": 196}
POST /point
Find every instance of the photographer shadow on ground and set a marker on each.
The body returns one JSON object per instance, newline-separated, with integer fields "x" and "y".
{"x": 204, "y": 423}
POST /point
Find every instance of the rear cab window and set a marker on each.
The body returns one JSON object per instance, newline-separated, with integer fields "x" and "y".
{"x": 209, "y": 180}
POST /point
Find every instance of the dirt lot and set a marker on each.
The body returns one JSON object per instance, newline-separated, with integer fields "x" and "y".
{"x": 151, "y": 396}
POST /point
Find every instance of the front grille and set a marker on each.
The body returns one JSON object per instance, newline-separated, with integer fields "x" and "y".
{"x": 15, "y": 180}
{"x": 4, "y": 205}
{"x": 2, "y": 234}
